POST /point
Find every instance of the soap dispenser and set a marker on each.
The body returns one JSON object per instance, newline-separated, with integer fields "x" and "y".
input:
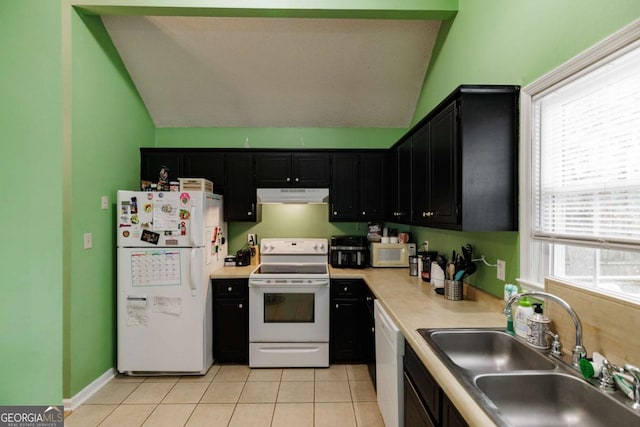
{"x": 538, "y": 325}
{"x": 523, "y": 311}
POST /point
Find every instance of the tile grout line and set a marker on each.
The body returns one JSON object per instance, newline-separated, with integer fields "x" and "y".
{"x": 351, "y": 383}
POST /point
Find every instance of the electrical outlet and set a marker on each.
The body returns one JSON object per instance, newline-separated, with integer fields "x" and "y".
{"x": 88, "y": 240}
{"x": 502, "y": 266}
{"x": 104, "y": 202}
{"x": 251, "y": 239}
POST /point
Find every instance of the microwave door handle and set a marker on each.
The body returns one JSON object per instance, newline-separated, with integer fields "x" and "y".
{"x": 358, "y": 258}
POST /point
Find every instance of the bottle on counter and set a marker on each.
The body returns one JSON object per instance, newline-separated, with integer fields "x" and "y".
{"x": 523, "y": 311}
{"x": 538, "y": 325}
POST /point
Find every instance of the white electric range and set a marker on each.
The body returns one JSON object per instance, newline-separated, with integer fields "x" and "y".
{"x": 289, "y": 304}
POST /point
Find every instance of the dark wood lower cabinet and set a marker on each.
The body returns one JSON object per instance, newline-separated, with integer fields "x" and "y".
{"x": 230, "y": 320}
{"x": 450, "y": 415}
{"x": 425, "y": 404}
{"x": 351, "y": 337}
{"x": 345, "y": 333}
{"x": 415, "y": 413}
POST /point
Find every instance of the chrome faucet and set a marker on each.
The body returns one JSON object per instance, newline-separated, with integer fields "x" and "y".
{"x": 578, "y": 350}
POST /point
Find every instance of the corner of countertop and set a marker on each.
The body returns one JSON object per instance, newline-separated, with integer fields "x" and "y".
{"x": 233, "y": 272}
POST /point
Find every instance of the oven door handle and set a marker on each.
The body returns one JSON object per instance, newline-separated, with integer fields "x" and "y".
{"x": 302, "y": 283}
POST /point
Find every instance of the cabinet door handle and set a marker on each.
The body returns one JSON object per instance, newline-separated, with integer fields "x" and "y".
{"x": 346, "y": 289}
{"x": 373, "y": 329}
{"x": 337, "y": 305}
{"x": 369, "y": 298}
{"x": 288, "y": 179}
{"x": 297, "y": 179}
{"x": 335, "y": 212}
{"x": 229, "y": 289}
{"x": 239, "y": 305}
{"x": 364, "y": 213}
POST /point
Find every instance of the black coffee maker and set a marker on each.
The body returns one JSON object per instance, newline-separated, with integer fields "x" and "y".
{"x": 349, "y": 252}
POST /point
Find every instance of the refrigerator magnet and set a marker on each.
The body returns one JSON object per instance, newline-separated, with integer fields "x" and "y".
{"x": 185, "y": 198}
{"x": 150, "y": 237}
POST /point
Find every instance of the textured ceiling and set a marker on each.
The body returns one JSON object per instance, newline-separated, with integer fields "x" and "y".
{"x": 275, "y": 72}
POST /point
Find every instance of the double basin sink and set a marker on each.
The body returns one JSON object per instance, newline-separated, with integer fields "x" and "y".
{"x": 517, "y": 385}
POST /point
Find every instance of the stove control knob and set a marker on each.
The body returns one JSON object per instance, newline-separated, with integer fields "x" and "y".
{"x": 315, "y": 246}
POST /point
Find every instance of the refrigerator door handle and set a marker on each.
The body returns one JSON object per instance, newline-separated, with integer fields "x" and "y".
{"x": 194, "y": 274}
{"x": 192, "y": 233}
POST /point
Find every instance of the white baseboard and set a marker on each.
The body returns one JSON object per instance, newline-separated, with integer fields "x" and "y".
{"x": 74, "y": 402}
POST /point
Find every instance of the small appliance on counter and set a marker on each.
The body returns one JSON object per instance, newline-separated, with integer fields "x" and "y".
{"x": 243, "y": 257}
{"x": 349, "y": 252}
{"x": 230, "y": 261}
{"x": 392, "y": 254}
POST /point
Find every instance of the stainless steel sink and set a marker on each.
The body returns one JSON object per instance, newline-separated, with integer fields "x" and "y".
{"x": 486, "y": 350}
{"x": 553, "y": 399}
{"x": 517, "y": 385}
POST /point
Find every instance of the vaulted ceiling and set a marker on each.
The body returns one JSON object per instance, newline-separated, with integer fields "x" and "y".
{"x": 275, "y": 72}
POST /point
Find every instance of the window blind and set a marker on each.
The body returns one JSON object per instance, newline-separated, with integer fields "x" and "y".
{"x": 586, "y": 154}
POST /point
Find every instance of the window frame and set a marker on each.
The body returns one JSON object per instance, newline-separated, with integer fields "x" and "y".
{"x": 535, "y": 255}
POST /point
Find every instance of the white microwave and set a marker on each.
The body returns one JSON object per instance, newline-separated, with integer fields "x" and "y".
{"x": 391, "y": 254}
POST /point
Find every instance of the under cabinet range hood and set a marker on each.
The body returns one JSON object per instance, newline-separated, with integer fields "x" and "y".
{"x": 293, "y": 195}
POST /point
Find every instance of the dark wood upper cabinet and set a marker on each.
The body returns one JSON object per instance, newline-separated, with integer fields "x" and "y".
{"x": 304, "y": 170}
{"x": 399, "y": 197}
{"x": 372, "y": 176}
{"x": 343, "y": 192}
{"x": 240, "y": 202}
{"x": 434, "y": 171}
{"x": 357, "y": 190}
{"x": 206, "y": 164}
{"x": 464, "y": 161}
{"x": 152, "y": 159}
{"x": 457, "y": 169}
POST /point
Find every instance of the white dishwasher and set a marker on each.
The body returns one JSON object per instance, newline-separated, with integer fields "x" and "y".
{"x": 389, "y": 352}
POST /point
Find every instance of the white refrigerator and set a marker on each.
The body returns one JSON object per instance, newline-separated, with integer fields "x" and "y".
{"x": 168, "y": 245}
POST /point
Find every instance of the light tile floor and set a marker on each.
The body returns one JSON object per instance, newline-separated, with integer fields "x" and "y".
{"x": 236, "y": 396}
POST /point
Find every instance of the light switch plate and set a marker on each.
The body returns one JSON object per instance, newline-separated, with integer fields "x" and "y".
{"x": 88, "y": 240}
{"x": 502, "y": 266}
{"x": 104, "y": 202}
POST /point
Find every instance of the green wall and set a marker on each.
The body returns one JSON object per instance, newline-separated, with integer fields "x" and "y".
{"x": 509, "y": 42}
{"x": 31, "y": 176}
{"x": 109, "y": 124}
{"x": 278, "y": 137}
{"x": 291, "y": 221}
